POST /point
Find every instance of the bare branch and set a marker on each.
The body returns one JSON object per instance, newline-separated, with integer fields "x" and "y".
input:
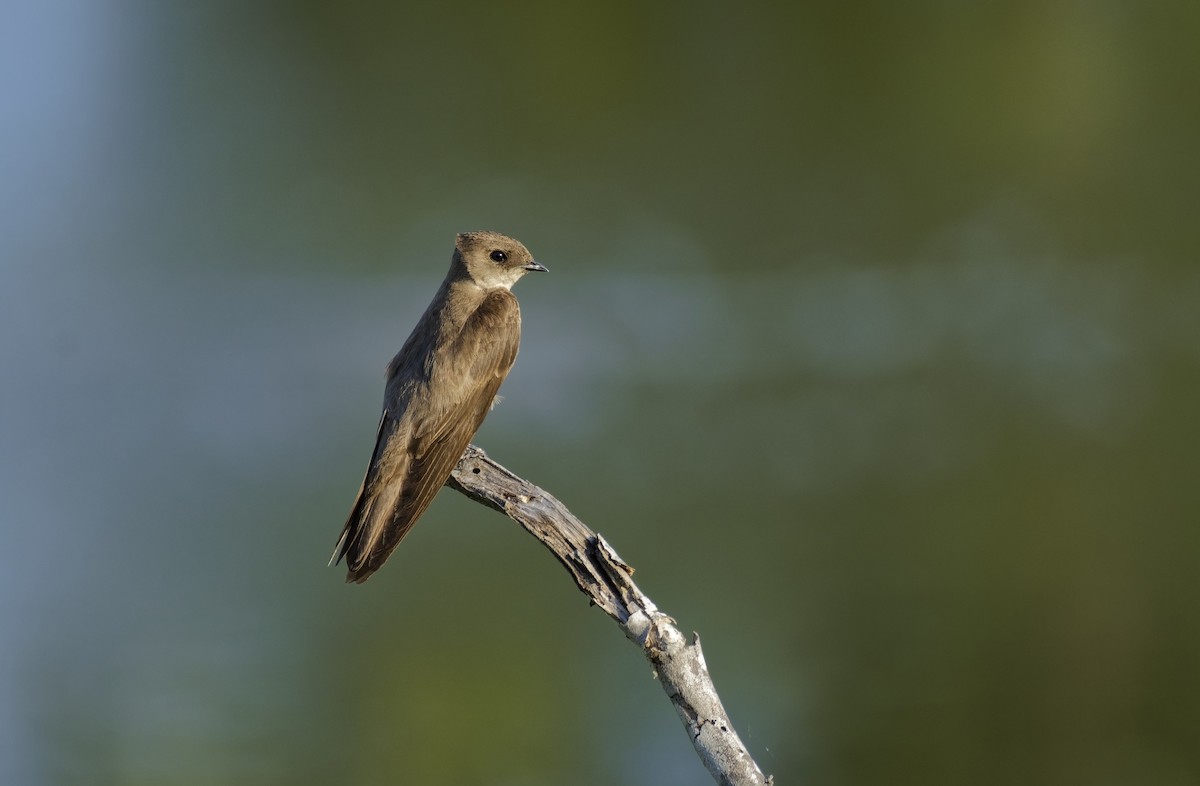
{"x": 607, "y": 580}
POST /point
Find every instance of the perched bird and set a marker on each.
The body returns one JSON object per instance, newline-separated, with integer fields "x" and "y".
{"x": 439, "y": 387}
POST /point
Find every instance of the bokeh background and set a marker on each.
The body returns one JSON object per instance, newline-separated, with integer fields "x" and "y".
{"x": 871, "y": 338}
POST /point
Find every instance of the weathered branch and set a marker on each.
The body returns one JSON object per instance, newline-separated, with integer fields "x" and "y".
{"x": 607, "y": 580}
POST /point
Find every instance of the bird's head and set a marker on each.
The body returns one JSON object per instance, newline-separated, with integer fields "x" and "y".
{"x": 493, "y": 260}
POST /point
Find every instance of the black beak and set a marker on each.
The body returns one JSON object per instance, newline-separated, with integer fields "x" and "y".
{"x": 537, "y": 267}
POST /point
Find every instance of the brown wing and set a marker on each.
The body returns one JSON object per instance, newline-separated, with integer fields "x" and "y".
{"x": 350, "y": 530}
{"x": 416, "y": 451}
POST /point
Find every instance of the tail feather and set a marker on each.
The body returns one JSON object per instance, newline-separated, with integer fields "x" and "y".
{"x": 339, "y": 550}
{"x": 353, "y": 526}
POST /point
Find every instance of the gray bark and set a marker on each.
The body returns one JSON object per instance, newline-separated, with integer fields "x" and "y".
{"x": 607, "y": 580}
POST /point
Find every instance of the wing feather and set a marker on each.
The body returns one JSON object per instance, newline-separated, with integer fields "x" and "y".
{"x": 417, "y": 449}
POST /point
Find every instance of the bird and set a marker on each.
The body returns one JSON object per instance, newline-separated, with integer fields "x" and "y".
{"x": 439, "y": 387}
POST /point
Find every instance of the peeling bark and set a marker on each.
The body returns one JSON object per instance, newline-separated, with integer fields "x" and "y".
{"x": 607, "y": 580}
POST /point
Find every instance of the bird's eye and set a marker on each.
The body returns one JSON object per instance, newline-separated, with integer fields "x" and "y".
{"x": 498, "y": 256}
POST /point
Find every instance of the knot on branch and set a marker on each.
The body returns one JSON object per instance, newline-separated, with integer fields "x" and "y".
{"x": 607, "y": 580}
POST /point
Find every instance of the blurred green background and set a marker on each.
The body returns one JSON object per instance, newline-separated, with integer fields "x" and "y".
{"x": 871, "y": 338}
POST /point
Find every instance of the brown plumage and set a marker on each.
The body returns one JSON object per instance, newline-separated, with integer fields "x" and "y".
{"x": 440, "y": 386}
